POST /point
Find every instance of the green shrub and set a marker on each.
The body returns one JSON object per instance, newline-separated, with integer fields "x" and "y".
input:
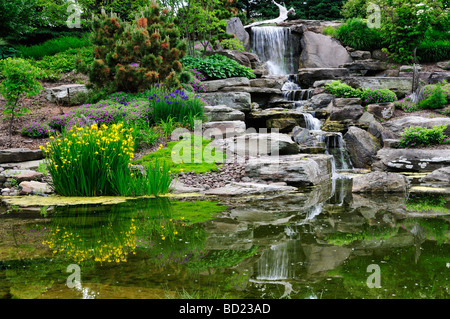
{"x": 70, "y": 60}
{"x": 372, "y": 96}
{"x": 217, "y": 67}
{"x": 330, "y": 31}
{"x": 143, "y": 134}
{"x": 435, "y": 97}
{"x": 232, "y": 44}
{"x": 407, "y": 105}
{"x": 422, "y": 136}
{"x": 356, "y": 34}
{"x": 192, "y": 153}
{"x": 433, "y": 50}
{"x": 342, "y": 90}
{"x": 53, "y": 46}
{"x": 368, "y": 96}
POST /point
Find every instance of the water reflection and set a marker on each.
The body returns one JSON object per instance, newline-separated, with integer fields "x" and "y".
{"x": 315, "y": 244}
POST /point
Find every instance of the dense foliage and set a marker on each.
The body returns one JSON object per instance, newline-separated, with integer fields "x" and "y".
{"x": 356, "y": 34}
{"x": 217, "y": 67}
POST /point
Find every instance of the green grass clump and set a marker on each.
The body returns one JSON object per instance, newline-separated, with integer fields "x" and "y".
{"x": 190, "y": 154}
{"x": 70, "y": 60}
{"x": 53, "y": 47}
{"x": 356, "y": 34}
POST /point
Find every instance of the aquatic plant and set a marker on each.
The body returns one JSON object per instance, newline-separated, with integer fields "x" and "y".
{"x": 96, "y": 161}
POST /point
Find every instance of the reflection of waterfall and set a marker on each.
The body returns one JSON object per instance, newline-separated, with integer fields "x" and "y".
{"x": 315, "y": 211}
{"x": 273, "y": 45}
{"x": 277, "y": 262}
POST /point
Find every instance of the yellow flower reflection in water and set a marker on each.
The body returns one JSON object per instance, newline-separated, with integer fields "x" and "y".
{"x": 106, "y": 244}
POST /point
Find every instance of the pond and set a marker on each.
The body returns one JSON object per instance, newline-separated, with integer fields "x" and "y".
{"x": 321, "y": 243}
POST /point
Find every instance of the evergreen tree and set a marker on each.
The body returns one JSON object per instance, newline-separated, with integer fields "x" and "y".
{"x": 133, "y": 56}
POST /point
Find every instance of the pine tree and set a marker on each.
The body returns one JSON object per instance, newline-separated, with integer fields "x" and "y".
{"x": 131, "y": 57}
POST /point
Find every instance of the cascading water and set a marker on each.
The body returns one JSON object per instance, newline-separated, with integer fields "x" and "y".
{"x": 312, "y": 123}
{"x": 277, "y": 47}
{"x": 273, "y": 46}
{"x": 335, "y": 146}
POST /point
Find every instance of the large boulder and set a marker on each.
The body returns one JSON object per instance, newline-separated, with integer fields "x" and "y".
{"x": 307, "y": 76}
{"x": 223, "y": 129}
{"x": 345, "y": 109}
{"x": 259, "y": 144}
{"x": 21, "y": 175}
{"x": 430, "y": 77}
{"x": 279, "y": 118}
{"x": 34, "y": 187}
{"x": 380, "y": 182}
{"x": 223, "y": 113}
{"x": 216, "y": 85}
{"x": 361, "y": 146}
{"x": 16, "y": 155}
{"x": 383, "y": 111}
{"x": 366, "y": 67}
{"x": 320, "y": 100}
{"x": 235, "y": 26}
{"x": 398, "y": 125}
{"x": 240, "y": 101}
{"x": 376, "y": 128}
{"x": 411, "y": 160}
{"x": 63, "y": 94}
{"x": 272, "y": 82}
{"x": 441, "y": 175}
{"x": 295, "y": 170}
{"x": 322, "y": 51}
{"x": 401, "y": 86}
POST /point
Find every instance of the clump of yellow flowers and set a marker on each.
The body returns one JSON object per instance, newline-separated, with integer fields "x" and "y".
{"x": 85, "y": 161}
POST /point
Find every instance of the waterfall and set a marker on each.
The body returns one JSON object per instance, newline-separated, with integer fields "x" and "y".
{"x": 273, "y": 46}
{"x": 312, "y": 123}
{"x": 292, "y": 92}
{"x": 335, "y": 146}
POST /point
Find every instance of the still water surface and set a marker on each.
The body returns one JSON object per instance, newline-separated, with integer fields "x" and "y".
{"x": 324, "y": 243}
